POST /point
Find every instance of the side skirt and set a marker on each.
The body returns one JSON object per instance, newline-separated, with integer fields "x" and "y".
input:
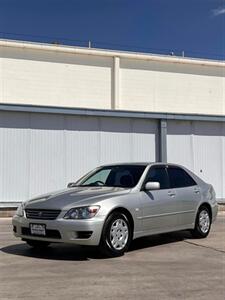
{"x": 166, "y": 230}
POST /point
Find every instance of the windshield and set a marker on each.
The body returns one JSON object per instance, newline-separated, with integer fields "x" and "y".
{"x": 126, "y": 176}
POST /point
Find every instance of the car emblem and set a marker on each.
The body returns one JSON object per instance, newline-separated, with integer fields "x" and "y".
{"x": 40, "y": 213}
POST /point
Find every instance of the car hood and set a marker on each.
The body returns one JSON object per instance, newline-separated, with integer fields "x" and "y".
{"x": 72, "y": 197}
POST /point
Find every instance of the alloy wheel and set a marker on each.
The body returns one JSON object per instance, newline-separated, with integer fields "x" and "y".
{"x": 119, "y": 234}
{"x": 204, "y": 221}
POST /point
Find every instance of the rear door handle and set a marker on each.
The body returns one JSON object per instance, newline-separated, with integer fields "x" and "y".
{"x": 171, "y": 193}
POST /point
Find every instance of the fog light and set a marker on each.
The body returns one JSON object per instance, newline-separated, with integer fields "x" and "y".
{"x": 84, "y": 234}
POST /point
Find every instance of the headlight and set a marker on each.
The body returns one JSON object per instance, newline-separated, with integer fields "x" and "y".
{"x": 85, "y": 212}
{"x": 20, "y": 210}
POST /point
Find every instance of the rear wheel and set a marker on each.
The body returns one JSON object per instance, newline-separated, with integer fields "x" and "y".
{"x": 202, "y": 223}
{"x": 116, "y": 235}
{"x": 37, "y": 244}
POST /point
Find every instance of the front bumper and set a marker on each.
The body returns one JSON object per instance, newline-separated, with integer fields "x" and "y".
{"x": 67, "y": 230}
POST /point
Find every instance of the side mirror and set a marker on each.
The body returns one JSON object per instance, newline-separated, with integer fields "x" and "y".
{"x": 152, "y": 185}
{"x": 71, "y": 184}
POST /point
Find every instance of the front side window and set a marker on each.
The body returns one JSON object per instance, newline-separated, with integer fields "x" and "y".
{"x": 179, "y": 178}
{"x": 126, "y": 176}
{"x": 160, "y": 175}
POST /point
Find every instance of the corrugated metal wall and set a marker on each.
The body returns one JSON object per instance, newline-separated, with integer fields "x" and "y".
{"x": 201, "y": 147}
{"x": 43, "y": 152}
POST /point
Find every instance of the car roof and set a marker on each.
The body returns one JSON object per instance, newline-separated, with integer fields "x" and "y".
{"x": 142, "y": 164}
{"x": 128, "y": 164}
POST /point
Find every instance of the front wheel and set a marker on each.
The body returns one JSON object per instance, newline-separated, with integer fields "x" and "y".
{"x": 202, "y": 223}
{"x": 116, "y": 235}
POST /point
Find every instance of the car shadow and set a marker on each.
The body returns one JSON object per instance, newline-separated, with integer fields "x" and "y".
{"x": 54, "y": 252}
{"x": 80, "y": 253}
{"x": 159, "y": 239}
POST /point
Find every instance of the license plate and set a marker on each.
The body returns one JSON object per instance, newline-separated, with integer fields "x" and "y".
{"x": 38, "y": 229}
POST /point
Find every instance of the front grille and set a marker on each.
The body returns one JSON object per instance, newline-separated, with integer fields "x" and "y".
{"x": 50, "y": 233}
{"x": 42, "y": 214}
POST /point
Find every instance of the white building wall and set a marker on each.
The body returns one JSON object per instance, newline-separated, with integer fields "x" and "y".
{"x": 200, "y": 146}
{"x": 40, "y": 152}
{"x": 43, "y": 152}
{"x": 90, "y": 78}
{"x": 169, "y": 87}
{"x": 55, "y": 79}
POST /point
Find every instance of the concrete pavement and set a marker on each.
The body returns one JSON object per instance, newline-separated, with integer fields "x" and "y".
{"x": 171, "y": 266}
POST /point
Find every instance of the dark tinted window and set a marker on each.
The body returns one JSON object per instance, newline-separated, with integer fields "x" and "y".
{"x": 179, "y": 178}
{"x": 158, "y": 174}
{"x": 126, "y": 176}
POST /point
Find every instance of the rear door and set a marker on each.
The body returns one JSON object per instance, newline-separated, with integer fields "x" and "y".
{"x": 160, "y": 208}
{"x": 187, "y": 194}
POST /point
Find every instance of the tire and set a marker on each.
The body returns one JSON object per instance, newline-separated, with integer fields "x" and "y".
{"x": 202, "y": 223}
{"x": 116, "y": 235}
{"x": 37, "y": 244}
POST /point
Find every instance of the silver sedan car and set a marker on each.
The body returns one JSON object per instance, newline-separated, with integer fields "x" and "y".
{"x": 114, "y": 204}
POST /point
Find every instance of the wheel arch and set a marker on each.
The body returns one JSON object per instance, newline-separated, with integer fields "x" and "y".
{"x": 126, "y": 212}
{"x": 207, "y": 205}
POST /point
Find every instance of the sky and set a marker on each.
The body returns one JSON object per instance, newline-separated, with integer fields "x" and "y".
{"x": 196, "y": 27}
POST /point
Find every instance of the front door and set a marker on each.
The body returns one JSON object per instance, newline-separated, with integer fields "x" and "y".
{"x": 160, "y": 208}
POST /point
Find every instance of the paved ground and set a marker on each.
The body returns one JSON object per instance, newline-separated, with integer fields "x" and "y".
{"x": 170, "y": 266}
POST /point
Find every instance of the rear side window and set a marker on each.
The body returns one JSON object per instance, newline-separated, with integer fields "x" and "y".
{"x": 179, "y": 178}
{"x": 160, "y": 175}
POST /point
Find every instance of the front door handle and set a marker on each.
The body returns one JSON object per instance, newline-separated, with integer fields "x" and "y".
{"x": 171, "y": 193}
